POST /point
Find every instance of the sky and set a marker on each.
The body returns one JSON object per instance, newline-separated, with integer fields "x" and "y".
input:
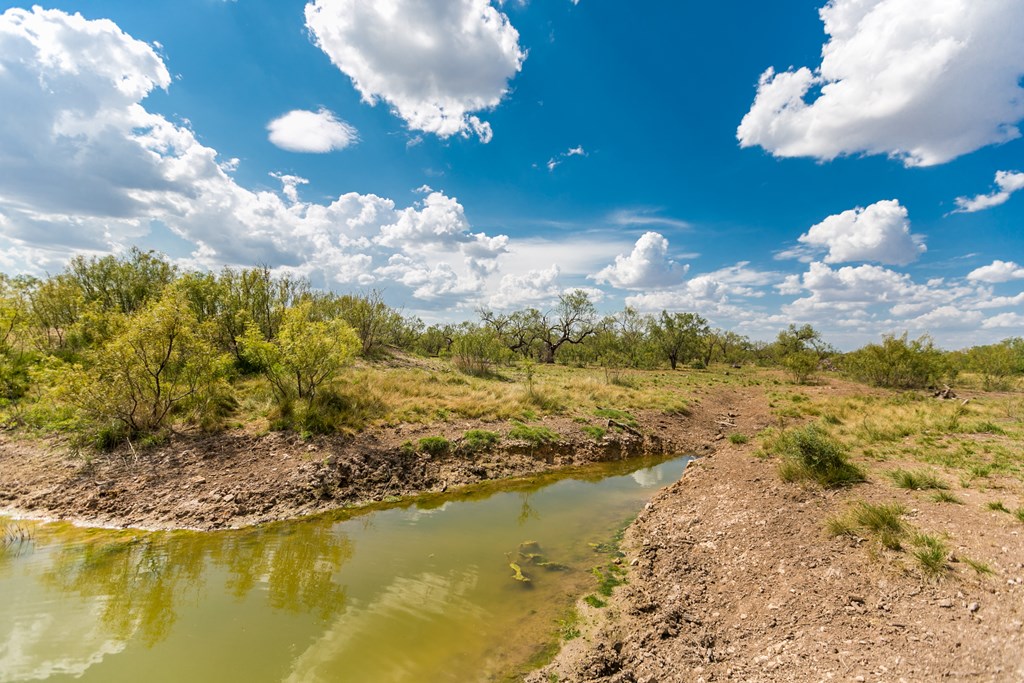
{"x": 855, "y": 165}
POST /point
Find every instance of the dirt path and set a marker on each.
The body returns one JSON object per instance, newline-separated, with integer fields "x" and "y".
{"x": 734, "y": 578}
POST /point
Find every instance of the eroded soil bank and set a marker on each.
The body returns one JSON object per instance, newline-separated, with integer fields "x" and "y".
{"x": 234, "y": 479}
{"x": 734, "y": 577}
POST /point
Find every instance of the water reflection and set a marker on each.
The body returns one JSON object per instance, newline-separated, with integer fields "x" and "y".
{"x": 430, "y": 594}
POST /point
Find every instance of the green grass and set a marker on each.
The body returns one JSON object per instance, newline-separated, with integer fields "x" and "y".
{"x": 1019, "y": 514}
{"x": 931, "y": 553}
{"x": 997, "y": 505}
{"x": 594, "y": 432}
{"x": 594, "y": 601}
{"x": 919, "y": 480}
{"x": 978, "y": 566}
{"x": 434, "y": 445}
{"x": 811, "y": 454}
{"x": 946, "y": 497}
{"x": 738, "y": 439}
{"x": 476, "y": 440}
{"x": 882, "y": 522}
{"x": 536, "y": 435}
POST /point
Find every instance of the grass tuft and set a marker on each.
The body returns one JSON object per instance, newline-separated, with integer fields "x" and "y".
{"x": 978, "y": 566}
{"x": 946, "y": 497}
{"x": 738, "y": 439}
{"x": 931, "y": 553}
{"x": 919, "y": 480}
{"x": 476, "y": 440}
{"x": 810, "y": 454}
{"x": 998, "y": 506}
{"x": 434, "y": 445}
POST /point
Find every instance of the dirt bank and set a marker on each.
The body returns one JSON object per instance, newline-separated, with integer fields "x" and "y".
{"x": 735, "y": 578}
{"x": 234, "y": 479}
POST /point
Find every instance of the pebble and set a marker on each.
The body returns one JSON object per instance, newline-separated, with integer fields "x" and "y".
{"x": 973, "y": 607}
{"x": 945, "y": 602}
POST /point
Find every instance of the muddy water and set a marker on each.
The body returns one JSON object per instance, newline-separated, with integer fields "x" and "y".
{"x": 420, "y": 592}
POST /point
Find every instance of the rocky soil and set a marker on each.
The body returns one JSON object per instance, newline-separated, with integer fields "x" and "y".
{"x": 735, "y": 578}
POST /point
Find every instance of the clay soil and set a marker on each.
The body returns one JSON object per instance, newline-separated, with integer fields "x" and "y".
{"x": 234, "y": 479}
{"x": 734, "y": 577}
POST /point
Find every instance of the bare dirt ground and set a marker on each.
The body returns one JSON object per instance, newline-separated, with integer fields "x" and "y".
{"x": 735, "y": 578}
{"x": 234, "y": 479}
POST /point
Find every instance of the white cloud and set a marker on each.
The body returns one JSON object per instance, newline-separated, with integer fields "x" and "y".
{"x": 647, "y": 266}
{"x": 997, "y": 271}
{"x": 435, "y": 63}
{"x": 532, "y": 288}
{"x": 1008, "y": 182}
{"x": 311, "y": 131}
{"x": 924, "y": 81}
{"x": 91, "y": 171}
{"x": 1004, "y": 320}
{"x": 646, "y": 217}
{"x": 556, "y": 161}
{"x": 880, "y": 233}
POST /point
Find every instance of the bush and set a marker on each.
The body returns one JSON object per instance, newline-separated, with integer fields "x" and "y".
{"x": 897, "y": 363}
{"x": 476, "y": 440}
{"x": 535, "y": 435}
{"x": 434, "y": 445}
{"x": 810, "y": 454}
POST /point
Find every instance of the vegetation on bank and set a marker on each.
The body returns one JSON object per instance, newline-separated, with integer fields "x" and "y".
{"x": 127, "y": 349}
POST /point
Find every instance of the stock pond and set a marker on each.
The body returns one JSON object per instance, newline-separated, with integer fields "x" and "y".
{"x": 419, "y": 591}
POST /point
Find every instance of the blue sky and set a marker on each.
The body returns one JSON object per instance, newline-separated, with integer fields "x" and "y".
{"x": 457, "y": 154}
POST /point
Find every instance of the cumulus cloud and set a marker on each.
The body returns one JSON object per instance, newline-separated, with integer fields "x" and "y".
{"x": 92, "y": 171}
{"x": 879, "y": 232}
{"x": 997, "y": 271}
{"x": 924, "y": 81}
{"x": 532, "y": 288}
{"x": 647, "y": 266}
{"x": 1007, "y": 183}
{"x": 434, "y": 63}
{"x": 311, "y": 131}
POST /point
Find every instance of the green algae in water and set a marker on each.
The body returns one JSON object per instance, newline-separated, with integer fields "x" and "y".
{"x": 411, "y": 592}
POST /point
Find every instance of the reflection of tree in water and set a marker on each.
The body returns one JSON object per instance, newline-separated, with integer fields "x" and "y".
{"x": 298, "y": 562}
{"x": 526, "y": 511}
{"x": 142, "y": 579}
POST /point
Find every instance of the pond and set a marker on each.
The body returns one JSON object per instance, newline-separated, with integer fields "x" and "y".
{"x": 418, "y": 591}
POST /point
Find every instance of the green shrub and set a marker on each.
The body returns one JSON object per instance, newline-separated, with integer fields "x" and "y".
{"x": 810, "y": 454}
{"x": 738, "y": 439}
{"x": 897, "y": 363}
{"x": 434, "y": 445}
{"x": 536, "y": 435}
{"x": 476, "y": 440}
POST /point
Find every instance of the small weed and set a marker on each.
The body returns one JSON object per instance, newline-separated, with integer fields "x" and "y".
{"x": 919, "y": 480}
{"x": 998, "y": 506}
{"x": 978, "y": 566}
{"x": 930, "y": 553}
{"x": 946, "y": 497}
{"x": 738, "y": 439}
{"x": 1019, "y": 514}
{"x": 882, "y": 522}
{"x": 594, "y": 601}
{"x": 594, "y": 432}
{"x": 434, "y": 445}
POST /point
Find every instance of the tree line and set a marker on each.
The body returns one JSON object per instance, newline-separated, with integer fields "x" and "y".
{"x": 114, "y": 348}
